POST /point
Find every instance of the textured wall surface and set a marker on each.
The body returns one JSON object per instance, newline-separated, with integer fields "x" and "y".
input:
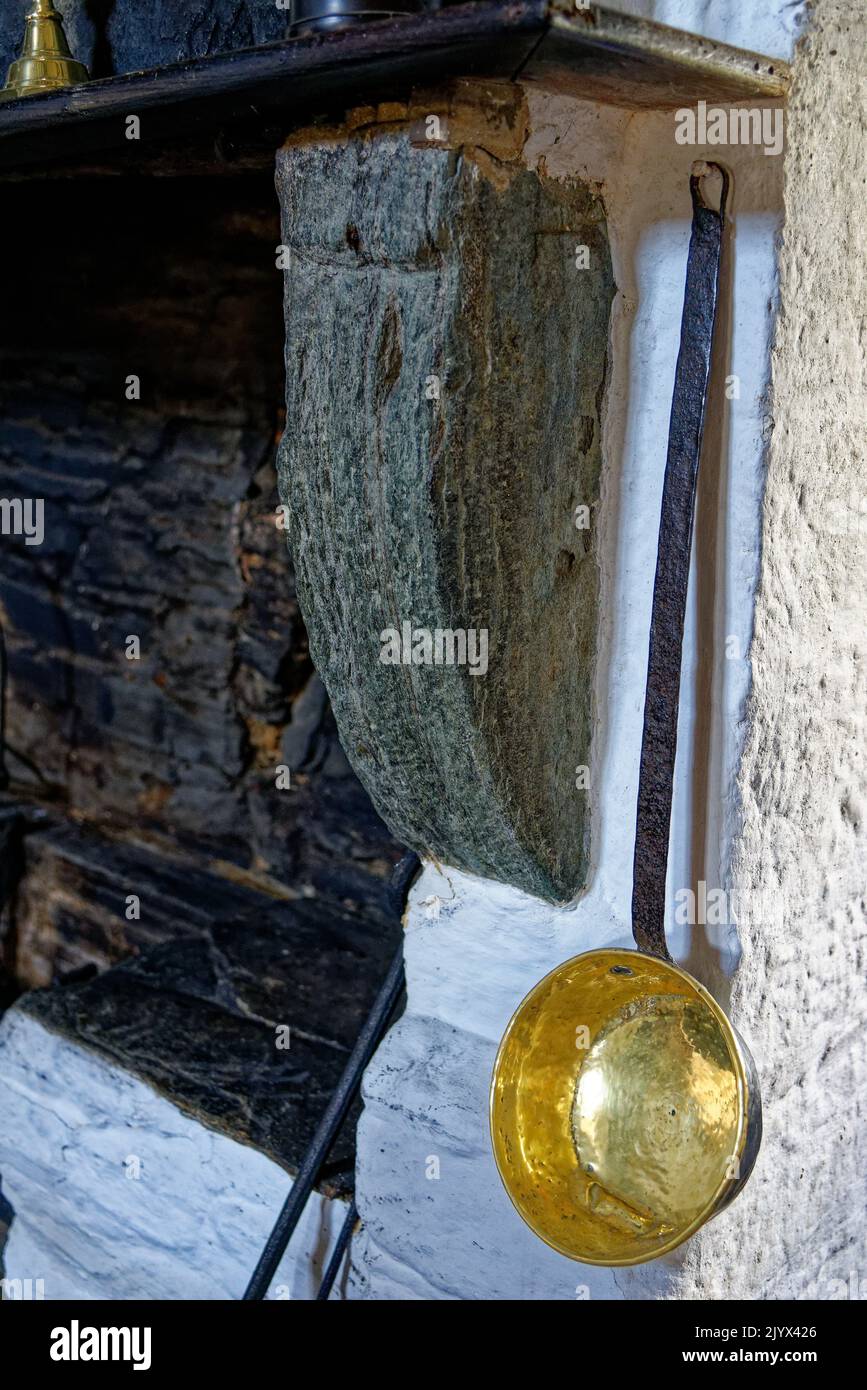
{"x": 437, "y": 1222}
{"x": 155, "y": 778}
{"x": 191, "y": 1225}
{"x": 767, "y": 28}
{"x": 799, "y": 1228}
{"x": 160, "y": 522}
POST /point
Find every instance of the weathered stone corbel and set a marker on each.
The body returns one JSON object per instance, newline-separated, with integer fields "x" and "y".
{"x": 446, "y": 331}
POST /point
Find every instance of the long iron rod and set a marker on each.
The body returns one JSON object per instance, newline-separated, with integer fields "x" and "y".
{"x": 337, "y": 1253}
{"x": 662, "y": 695}
{"x": 335, "y": 1114}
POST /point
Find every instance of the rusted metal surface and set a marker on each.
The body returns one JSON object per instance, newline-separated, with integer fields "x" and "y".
{"x": 630, "y": 61}
{"x": 662, "y": 697}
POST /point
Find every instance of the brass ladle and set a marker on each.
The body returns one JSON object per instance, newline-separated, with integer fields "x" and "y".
{"x": 625, "y": 1108}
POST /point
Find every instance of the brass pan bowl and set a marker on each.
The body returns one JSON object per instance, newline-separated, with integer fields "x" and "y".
{"x": 625, "y": 1109}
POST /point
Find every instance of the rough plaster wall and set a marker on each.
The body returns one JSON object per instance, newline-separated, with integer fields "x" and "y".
{"x": 473, "y": 948}
{"x": 799, "y": 1229}
{"x": 191, "y": 1226}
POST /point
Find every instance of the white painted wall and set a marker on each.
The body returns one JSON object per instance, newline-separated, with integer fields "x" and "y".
{"x": 800, "y": 1228}
{"x": 765, "y": 28}
{"x": 192, "y": 1226}
{"x": 474, "y": 948}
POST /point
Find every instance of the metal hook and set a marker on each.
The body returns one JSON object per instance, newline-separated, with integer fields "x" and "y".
{"x": 662, "y": 694}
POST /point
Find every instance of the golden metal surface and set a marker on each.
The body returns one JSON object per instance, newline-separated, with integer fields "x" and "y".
{"x": 45, "y": 62}
{"x": 619, "y": 1108}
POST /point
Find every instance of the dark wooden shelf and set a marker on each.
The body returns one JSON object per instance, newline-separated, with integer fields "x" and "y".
{"x": 231, "y": 108}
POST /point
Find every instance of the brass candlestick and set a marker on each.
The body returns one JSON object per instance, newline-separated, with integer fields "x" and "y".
{"x": 45, "y": 62}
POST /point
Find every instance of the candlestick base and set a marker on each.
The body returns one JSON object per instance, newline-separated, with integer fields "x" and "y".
{"x": 46, "y": 62}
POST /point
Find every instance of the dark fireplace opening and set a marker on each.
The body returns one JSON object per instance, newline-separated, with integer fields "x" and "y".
{"x": 169, "y": 900}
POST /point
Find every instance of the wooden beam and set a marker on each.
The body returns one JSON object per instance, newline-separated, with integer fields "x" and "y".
{"x": 253, "y": 97}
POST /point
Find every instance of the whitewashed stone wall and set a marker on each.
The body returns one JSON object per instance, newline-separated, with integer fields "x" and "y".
{"x": 749, "y": 811}
{"x": 800, "y": 1228}
{"x": 190, "y": 1226}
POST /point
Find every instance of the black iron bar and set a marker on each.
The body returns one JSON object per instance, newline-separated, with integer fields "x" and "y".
{"x": 374, "y": 1026}
{"x": 333, "y": 1266}
{"x": 662, "y": 695}
{"x": 326, "y": 1132}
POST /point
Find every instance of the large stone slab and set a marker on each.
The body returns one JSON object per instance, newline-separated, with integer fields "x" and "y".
{"x": 445, "y": 365}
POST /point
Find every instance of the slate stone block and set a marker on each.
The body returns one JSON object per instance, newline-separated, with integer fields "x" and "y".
{"x": 410, "y": 263}
{"x": 196, "y": 988}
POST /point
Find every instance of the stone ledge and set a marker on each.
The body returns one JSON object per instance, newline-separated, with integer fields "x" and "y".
{"x": 198, "y": 986}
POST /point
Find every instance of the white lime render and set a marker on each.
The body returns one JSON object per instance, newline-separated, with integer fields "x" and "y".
{"x": 118, "y": 1194}
{"x": 768, "y": 799}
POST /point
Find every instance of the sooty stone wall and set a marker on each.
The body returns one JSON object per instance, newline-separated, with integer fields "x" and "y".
{"x": 160, "y": 523}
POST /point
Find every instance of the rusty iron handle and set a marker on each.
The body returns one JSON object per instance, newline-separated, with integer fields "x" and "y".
{"x": 662, "y": 694}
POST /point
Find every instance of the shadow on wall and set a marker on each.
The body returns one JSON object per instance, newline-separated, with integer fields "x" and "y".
{"x": 709, "y": 544}
{"x": 100, "y": 12}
